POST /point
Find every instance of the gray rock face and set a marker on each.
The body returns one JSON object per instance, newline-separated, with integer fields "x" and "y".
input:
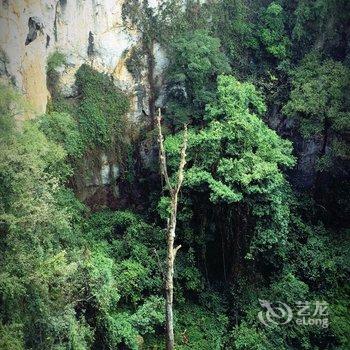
{"x": 35, "y": 26}
{"x": 84, "y": 31}
{"x": 305, "y": 171}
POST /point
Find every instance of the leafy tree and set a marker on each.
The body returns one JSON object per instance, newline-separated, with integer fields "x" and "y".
{"x": 237, "y": 162}
{"x": 35, "y": 267}
{"x": 63, "y": 129}
{"x": 195, "y": 62}
{"x": 12, "y": 105}
{"x": 272, "y": 32}
{"x": 319, "y": 25}
{"x": 233, "y": 24}
{"x": 319, "y": 101}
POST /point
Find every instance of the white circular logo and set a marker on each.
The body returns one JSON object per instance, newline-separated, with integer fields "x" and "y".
{"x": 277, "y": 314}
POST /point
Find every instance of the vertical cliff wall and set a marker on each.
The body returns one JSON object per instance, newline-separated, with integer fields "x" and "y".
{"x": 85, "y": 31}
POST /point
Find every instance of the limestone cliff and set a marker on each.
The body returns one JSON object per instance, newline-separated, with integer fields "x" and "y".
{"x": 85, "y": 31}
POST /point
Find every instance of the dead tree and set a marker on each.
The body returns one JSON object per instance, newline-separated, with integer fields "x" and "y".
{"x": 171, "y": 226}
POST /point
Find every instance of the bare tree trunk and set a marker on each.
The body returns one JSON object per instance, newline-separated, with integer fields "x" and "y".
{"x": 169, "y": 285}
{"x": 171, "y": 227}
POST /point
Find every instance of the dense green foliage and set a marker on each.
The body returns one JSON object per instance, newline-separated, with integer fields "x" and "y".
{"x": 91, "y": 125}
{"x": 263, "y": 213}
{"x": 272, "y": 32}
{"x": 195, "y": 63}
{"x": 238, "y": 159}
{"x": 59, "y": 267}
{"x": 320, "y": 100}
{"x": 101, "y": 108}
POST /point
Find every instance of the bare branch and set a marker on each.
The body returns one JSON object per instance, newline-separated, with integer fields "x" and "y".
{"x": 180, "y": 174}
{"x": 175, "y": 250}
{"x": 162, "y": 156}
